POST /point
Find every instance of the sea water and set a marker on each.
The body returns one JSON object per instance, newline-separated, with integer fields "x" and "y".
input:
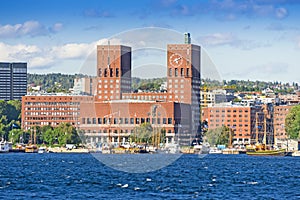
{"x": 82, "y": 176}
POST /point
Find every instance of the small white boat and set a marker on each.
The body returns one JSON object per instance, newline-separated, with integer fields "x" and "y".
{"x": 215, "y": 151}
{"x": 42, "y": 150}
{"x": 4, "y": 147}
{"x": 173, "y": 148}
{"x": 296, "y": 153}
{"x": 203, "y": 148}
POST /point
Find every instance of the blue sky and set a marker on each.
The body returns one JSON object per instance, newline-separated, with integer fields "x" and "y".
{"x": 255, "y": 39}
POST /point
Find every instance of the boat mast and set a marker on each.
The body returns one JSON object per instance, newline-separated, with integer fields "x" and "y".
{"x": 265, "y": 129}
{"x": 256, "y": 130}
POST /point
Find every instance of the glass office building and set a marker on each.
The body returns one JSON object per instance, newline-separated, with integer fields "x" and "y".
{"x": 13, "y": 80}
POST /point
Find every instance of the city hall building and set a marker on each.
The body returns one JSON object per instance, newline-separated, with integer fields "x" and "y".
{"x": 114, "y": 110}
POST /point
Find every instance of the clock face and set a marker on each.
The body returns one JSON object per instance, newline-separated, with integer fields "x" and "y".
{"x": 176, "y": 60}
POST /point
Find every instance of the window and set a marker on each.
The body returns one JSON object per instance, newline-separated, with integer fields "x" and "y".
{"x": 170, "y": 71}
{"x": 158, "y": 120}
{"x": 187, "y": 72}
{"x": 111, "y": 71}
{"x": 181, "y": 72}
{"x": 176, "y": 72}
{"x": 153, "y": 120}
{"x": 131, "y": 120}
{"x": 117, "y": 72}
{"x": 88, "y": 121}
{"x": 94, "y": 120}
{"x": 83, "y": 120}
{"x": 164, "y": 120}
{"x": 99, "y": 121}
{"x": 115, "y": 120}
{"x": 100, "y": 72}
{"x": 126, "y": 121}
{"x": 105, "y": 72}
{"x": 169, "y": 120}
{"x": 137, "y": 120}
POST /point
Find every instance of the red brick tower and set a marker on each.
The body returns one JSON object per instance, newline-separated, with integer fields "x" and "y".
{"x": 113, "y": 71}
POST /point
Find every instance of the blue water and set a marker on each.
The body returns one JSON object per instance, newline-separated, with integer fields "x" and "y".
{"x": 81, "y": 176}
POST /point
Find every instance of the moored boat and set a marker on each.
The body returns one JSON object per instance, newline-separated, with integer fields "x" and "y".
{"x": 4, "y": 147}
{"x": 31, "y": 148}
{"x": 263, "y": 150}
{"x": 42, "y": 150}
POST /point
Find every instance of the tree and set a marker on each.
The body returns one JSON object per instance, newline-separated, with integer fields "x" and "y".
{"x": 292, "y": 123}
{"x": 142, "y": 133}
{"x": 218, "y": 136}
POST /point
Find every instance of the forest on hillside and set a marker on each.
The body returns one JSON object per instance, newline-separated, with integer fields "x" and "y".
{"x": 57, "y": 82}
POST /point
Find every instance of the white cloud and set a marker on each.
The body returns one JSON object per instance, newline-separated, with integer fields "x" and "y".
{"x": 28, "y": 28}
{"x": 217, "y": 39}
{"x": 222, "y": 39}
{"x": 281, "y": 13}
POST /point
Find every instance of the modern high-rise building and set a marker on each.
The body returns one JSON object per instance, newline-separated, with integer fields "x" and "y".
{"x": 13, "y": 80}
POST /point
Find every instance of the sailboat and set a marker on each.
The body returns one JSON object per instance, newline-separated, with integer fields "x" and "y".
{"x": 262, "y": 149}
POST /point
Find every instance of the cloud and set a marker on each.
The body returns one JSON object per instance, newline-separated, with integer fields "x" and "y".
{"x": 280, "y": 27}
{"x": 263, "y": 71}
{"x": 222, "y": 39}
{"x": 28, "y": 28}
{"x": 98, "y": 13}
{"x": 56, "y": 27}
{"x": 281, "y": 13}
{"x": 41, "y": 58}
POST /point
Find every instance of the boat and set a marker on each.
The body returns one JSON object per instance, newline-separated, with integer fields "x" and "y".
{"x": 4, "y": 147}
{"x": 215, "y": 151}
{"x": 203, "y": 148}
{"x": 42, "y": 150}
{"x": 264, "y": 150}
{"x": 172, "y": 148}
{"x": 296, "y": 153}
{"x": 31, "y": 148}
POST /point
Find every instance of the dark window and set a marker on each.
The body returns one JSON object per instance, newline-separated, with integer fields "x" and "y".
{"x": 111, "y": 71}
{"x": 131, "y": 120}
{"x": 88, "y": 121}
{"x": 137, "y": 120}
{"x": 170, "y": 71}
{"x": 153, "y": 120}
{"x": 94, "y": 120}
{"x": 126, "y": 120}
{"x": 100, "y": 72}
{"x": 181, "y": 72}
{"x": 117, "y": 72}
{"x": 105, "y": 72}
{"x": 169, "y": 120}
{"x": 99, "y": 120}
{"x": 176, "y": 72}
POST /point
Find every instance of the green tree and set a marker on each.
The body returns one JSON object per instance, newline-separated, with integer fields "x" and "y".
{"x": 292, "y": 123}
{"x": 218, "y": 136}
{"x": 65, "y": 133}
{"x": 142, "y": 133}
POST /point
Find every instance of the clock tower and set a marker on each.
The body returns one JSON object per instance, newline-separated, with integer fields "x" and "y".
{"x": 183, "y": 77}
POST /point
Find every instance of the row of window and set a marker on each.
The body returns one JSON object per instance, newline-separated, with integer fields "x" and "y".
{"x": 229, "y": 110}
{"x": 228, "y": 115}
{"x": 115, "y": 131}
{"x": 126, "y": 120}
{"x": 109, "y": 72}
{"x": 182, "y": 72}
